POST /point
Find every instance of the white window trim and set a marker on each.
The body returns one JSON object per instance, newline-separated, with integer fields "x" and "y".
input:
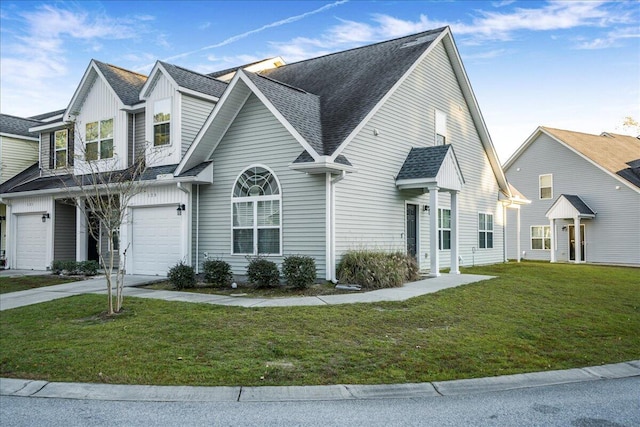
{"x": 100, "y": 140}
{"x": 154, "y": 124}
{"x": 540, "y": 187}
{"x": 56, "y": 149}
{"x": 540, "y": 238}
{"x": 441, "y": 229}
{"x": 492, "y": 231}
{"x": 440, "y": 126}
{"x": 254, "y": 200}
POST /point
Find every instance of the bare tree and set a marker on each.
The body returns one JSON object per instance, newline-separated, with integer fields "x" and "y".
{"x": 102, "y": 188}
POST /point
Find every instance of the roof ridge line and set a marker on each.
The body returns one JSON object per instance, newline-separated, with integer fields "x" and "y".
{"x": 280, "y": 83}
{"x": 194, "y": 72}
{"x": 121, "y": 68}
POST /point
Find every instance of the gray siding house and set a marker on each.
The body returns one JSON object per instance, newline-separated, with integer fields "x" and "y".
{"x": 380, "y": 147}
{"x": 577, "y": 181}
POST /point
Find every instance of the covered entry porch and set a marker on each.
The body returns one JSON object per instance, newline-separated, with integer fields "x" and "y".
{"x": 570, "y": 207}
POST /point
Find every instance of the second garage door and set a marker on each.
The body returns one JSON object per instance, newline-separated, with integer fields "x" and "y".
{"x": 31, "y": 246}
{"x": 156, "y": 240}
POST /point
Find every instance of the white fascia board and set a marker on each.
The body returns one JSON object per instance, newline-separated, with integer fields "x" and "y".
{"x": 407, "y": 184}
{"x": 136, "y": 108}
{"x": 203, "y": 130}
{"x": 279, "y": 116}
{"x": 522, "y": 148}
{"x": 92, "y": 66}
{"x": 11, "y": 135}
{"x": 85, "y": 77}
{"x": 388, "y": 95}
{"x": 145, "y": 88}
{"x": 48, "y": 126}
{"x": 197, "y": 94}
{"x": 322, "y": 167}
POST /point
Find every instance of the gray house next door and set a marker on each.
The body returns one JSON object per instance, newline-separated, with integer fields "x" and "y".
{"x": 412, "y": 241}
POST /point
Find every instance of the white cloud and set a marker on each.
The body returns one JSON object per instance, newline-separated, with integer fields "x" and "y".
{"x": 610, "y": 39}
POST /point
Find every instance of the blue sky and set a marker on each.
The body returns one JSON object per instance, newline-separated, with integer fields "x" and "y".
{"x": 572, "y": 65}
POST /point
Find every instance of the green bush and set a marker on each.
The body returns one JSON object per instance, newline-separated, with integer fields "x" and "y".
{"x": 217, "y": 272}
{"x": 182, "y": 276}
{"x": 263, "y": 273}
{"x": 56, "y": 267}
{"x": 88, "y": 268}
{"x": 377, "y": 269}
{"x": 299, "y": 271}
{"x": 69, "y": 268}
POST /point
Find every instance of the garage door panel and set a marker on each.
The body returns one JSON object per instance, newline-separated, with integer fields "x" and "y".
{"x": 31, "y": 241}
{"x": 156, "y": 240}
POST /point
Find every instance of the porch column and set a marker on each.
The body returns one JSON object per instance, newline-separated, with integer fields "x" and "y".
{"x": 454, "y": 234}
{"x": 577, "y": 238}
{"x": 81, "y": 231}
{"x": 518, "y": 247}
{"x": 552, "y": 228}
{"x": 433, "y": 232}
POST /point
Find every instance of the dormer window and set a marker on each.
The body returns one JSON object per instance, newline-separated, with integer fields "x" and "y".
{"x": 99, "y": 140}
{"x": 162, "y": 122}
{"x": 61, "y": 144}
{"x": 441, "y": 128}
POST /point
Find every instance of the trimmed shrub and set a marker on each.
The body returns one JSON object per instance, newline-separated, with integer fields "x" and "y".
{"x": 88, "y": 268}
{"x": 56, "y": 267}
{"x": 182, "y": 276}
{"x": 377, "y": 269}
{"x": 69, "y": 268}
{"x": 299, "y": 271}
{"x": 263, "y": 273}
{"x": 217, "y": 272}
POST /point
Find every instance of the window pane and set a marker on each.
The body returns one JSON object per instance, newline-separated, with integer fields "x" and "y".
{"x": 243, "y": 241}
{"x": 547, "y": 232}
{"x": 162, "y": 111}
{"x": 489, "y": 241}
{"x": 545, "y": 181}
{"x": 243, "y": 214}
{"x": 489, "y": 222}
{"x": 256, "y": 182}
{"x": 440, "y": 139}
{"x": 446, "y": 239}
{"x": 91, "y": 151}
{"x": 536, "y": 243}
{"x": 536, "y": 231}
{"x": 91, "y": 131}
{"x": 446, "y": 218}
{"x": 269, "y": 212}
{"x": 106, "y": 129}
{"x": 481, "y": 222}
{"x": 161, "y": 134}
{"x": 61, "y": 139}
{"x": 61, "y": 158}
{"x": 547, "y": 243}
{"x": 269, "y": 241}
{"x": 545, "y": 193}
{"x": 106, "y": 149}
{"x": 481, "y": 240}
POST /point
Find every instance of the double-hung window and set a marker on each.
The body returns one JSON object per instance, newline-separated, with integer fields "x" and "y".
{"x": 485, "y": 231}
{"x": 162, "y": 122}
{"x": 99, "y": 140}
{"x": 540, "y": 237}
{"x": 546, "y": 186}
{"x": 444, "y": 229}
{"x": 61, "y": 139}
{"x": 441, "y": 128}
{"x": 256, "y": 206}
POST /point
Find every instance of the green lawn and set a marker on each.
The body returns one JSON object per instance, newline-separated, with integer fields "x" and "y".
{"x": 534, "y": 317}
{"x": 22, "y": 283}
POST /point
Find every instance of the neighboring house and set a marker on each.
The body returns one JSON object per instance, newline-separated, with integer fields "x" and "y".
{"x": 578, "y": 181}
{"x": 18, "y": 151}
{"x": 380, "y": 147}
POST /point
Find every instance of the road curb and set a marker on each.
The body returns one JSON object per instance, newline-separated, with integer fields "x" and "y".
{"x": 88, "y": 391}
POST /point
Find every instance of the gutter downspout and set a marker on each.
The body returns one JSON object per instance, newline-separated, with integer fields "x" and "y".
{"x": 332, "y": 226}
{"x": 188, "y": 193}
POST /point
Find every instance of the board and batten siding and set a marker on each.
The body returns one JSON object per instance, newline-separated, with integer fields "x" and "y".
{"x": 64, "y": 238}
{"x": 194, "y": 113}
{"x": 370, "y": 210}
{"x": 613, "y": 236}
{"x": 15, "y": 156}
{"x": 256, "y": 137}
{"x": 170, "y": 154}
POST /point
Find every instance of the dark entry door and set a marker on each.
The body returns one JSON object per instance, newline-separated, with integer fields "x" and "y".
{"x": 412, "y": 240}
{"x": 572, "y": 243}
{"x": 92, "y": 244}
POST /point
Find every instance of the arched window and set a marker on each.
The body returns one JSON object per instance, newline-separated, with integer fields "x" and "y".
{"x": 256, "y": 206}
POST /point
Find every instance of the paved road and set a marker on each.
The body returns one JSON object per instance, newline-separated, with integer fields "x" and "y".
{"x": 608, "y": 403}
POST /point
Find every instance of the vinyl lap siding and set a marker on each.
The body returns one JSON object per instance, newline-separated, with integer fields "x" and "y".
{"x": 140, "y": 140}
{"x": 15, "y": 156}
{"x": 194, "y": 113}
{"x": 256, "y": 137}
{"x": 64, "y": 243}
{"x": 370, "y": 209}
{"x": 612, "y": 237}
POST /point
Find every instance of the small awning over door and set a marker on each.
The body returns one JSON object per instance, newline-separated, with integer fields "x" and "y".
{"x": 570, "y": 206}
{"x": 426, "y": 167}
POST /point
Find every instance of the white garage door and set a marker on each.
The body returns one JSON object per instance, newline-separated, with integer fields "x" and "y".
{"x": 31, "y": 242}
{"x": 156, "y": 240}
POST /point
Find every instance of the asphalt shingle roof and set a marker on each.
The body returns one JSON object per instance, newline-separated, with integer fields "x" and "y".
{"x": 195, "y": 81}
{"x": 226, "y": 71}
{"x": 579, "y": 204}
{"x": 127, "y": 84}
{"x": 30, "y": 173}
{"x": 18, "y": 125}
{"x": 352, "y": 82}
{"x": 423, "y": 162}
{"x": 44, "y": 116}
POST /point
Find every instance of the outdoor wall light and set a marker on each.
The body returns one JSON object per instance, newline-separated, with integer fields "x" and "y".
{"x": 45, "y": 216}
{"x": 180, "y": 209}
{"x": 427, "y": 209}
{"x": 564, "y": 228}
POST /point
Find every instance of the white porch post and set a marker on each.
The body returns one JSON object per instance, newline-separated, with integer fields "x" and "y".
{"x": 577, "y": 239}
{"x": 552, "y": 227}
{"x": 433, "y": 232}
{"x": 454, "y": 234}
{"x": 518, "y": 247}
{"x": 81, "y": 231}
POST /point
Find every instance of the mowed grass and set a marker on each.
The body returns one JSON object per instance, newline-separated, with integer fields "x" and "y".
{"x": 534, "y": 317}
{"x": 22, "y": 283}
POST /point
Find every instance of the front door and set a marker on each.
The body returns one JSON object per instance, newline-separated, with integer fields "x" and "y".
{"x": 93, "y": 251}
{"x": 572, "y": 243}
{"x": 412, "y": 221}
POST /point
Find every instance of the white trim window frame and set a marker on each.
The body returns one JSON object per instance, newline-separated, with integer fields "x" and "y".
{"x": 256, "y": 213}
{"x": 545, "y": 186}
{"x": 99, "y": 134}
{"x": 541, "y": 235}
{"x": 485, "y": 230}
{"x": 161, "y": 122}
{"x": 444, "y": 229}
{"x": 440, "y": 128}
{"x": 61, "y": 140}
